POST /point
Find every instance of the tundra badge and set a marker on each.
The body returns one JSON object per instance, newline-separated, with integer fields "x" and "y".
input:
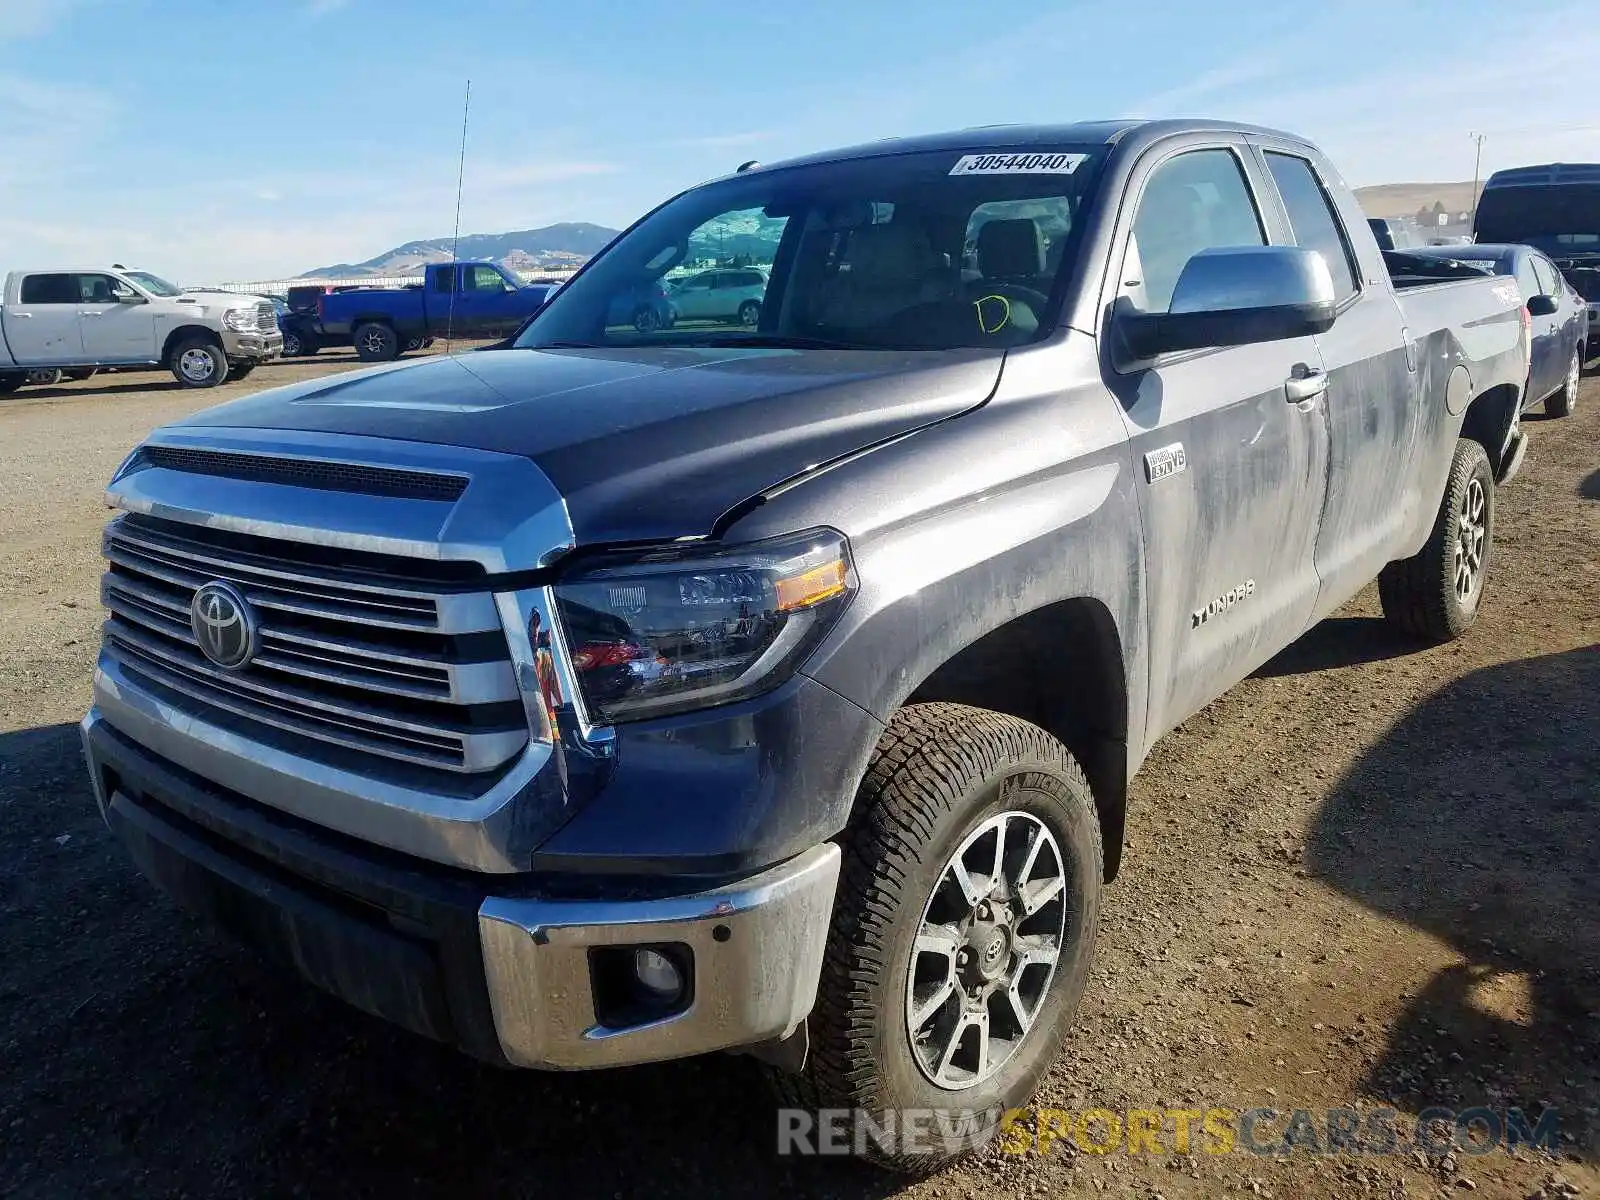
{"x": 1168, "y": 460}
{"x": 1223, "y": 603}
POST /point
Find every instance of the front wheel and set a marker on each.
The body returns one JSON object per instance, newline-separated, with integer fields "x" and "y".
{"x": 750, "y": 313}
{"x": 198, "y": 363}
{"x": 1435, "y": 594}
{"x": 376, "y": 342}
{"x": 962, "y": 933}
{"x": 1563, "y": 402}
{"x": 646, "y": 320}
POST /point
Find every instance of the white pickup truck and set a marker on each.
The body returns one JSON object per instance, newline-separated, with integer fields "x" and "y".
{"x": 115, "y": 317}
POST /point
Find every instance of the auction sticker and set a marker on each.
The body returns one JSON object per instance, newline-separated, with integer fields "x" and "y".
{"x": 1017, "y": 164}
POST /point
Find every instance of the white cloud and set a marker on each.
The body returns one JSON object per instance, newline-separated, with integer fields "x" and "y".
{"x": 29, "y": 18}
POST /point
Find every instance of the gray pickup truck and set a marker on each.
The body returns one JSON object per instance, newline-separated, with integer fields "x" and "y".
{"x": 621, "y": 695}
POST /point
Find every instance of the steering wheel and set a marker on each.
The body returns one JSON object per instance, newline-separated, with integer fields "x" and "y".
{"x": 993, "y": 302}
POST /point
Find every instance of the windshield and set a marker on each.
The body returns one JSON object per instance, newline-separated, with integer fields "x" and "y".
{"x": 153, "y": 284}
{"x": 926, "y": 251}
{"x": 1563, "y": 219}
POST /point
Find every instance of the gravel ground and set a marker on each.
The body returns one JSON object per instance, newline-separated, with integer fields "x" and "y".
{"x": 1366, "y": 877}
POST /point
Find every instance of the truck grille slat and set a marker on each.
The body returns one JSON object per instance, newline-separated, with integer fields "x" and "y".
{"x": 394, "y": 671}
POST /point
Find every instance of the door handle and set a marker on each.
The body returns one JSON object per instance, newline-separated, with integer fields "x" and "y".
{"x": 22, "y": 316}
{"x": 1307, "y": 383}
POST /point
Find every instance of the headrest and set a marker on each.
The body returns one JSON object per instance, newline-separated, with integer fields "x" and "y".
{"x": 1011, "y": 249}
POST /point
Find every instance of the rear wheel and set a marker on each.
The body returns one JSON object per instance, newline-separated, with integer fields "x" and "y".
{"x": 646, "y": 319}
{"x": 1435, "y": 593}
{"x": 376, "y": 342}
{"x": 962, "y": 932}
{"x": 45, "y": 376}
{"x": 749, "y": 313}
{"x": 1563, "y": 402}
{"x": 293, "y": 347}
{"x": 199, "y": 363}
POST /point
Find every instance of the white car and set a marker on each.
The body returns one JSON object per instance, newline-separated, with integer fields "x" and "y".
{"x": 726, "y": 294}
{"x": 79, "y": 320}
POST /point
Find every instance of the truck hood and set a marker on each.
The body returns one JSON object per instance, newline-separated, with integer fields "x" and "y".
{"x": 643, "y": 444}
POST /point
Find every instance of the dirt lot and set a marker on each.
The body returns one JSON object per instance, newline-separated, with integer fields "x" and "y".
{"x": 1366, "y": 877}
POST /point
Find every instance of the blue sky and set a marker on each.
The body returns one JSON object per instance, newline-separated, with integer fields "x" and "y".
{"x": 221, "y": 139}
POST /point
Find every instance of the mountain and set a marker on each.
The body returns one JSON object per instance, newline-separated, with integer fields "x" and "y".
{"x": 1405, "y": 199}
{"x": 566, "y": 245}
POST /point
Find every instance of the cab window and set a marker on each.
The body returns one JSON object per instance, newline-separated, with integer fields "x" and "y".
{"x": 50, "y": 289}
{"x": 1313, "y": 219}
{"x": 1194, "y": 201}
{"x": 484, "y": 279}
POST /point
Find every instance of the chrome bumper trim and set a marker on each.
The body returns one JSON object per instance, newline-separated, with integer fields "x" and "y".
{"x": 757, "y": 945}
{"x": 472, "y": 832}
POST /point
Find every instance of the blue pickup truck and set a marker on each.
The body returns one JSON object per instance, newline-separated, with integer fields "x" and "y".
{"x": 467, "y": 299}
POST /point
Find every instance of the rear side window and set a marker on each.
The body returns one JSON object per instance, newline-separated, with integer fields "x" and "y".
{"x": 1312, "y": 217}
{"x": 50, "y": 289}
{"x": 1192, "y": 202}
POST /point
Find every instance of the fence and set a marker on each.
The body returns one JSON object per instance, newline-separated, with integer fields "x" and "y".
{"x": 278, "y": 287}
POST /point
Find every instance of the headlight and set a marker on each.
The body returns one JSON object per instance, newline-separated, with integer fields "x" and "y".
{"x": 688, "y": 627}
{"x": 240, "y": 320}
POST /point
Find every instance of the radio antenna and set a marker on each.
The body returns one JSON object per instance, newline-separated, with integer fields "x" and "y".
{"x": 455, "y": 238}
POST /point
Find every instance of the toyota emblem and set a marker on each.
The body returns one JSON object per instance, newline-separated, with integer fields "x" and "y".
{"x": 223, "y": 625}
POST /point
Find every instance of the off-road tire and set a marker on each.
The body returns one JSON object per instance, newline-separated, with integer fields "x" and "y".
{"x": 1419, "y": 593}
{"x": 376, "y": 342}
{"x": 198, "y": 346}
{"x": 937, "y": 773}
{"x": 1563, "y": 402}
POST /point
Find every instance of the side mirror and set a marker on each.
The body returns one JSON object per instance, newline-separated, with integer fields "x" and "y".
{"x": 1237, "y": 296}
{"x": 1542, "y": 306}
{"x": 131, "y": 298}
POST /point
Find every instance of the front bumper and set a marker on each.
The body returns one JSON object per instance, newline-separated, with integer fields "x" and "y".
{"x": 522, "y": 975}
{"x": 253, "y": 346}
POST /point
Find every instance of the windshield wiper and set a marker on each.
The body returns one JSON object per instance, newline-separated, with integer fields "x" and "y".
{"x": 561, "y": 346}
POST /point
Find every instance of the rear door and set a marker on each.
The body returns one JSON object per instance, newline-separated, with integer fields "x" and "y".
{"x": 1370, "y": 405}
{"x": 42, "y": 327}
{"x": 118, "y": 325}
{"x": 1232, "y": 469}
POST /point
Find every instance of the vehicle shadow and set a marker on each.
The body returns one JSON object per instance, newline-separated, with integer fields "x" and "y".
{"x": 1589, "y": 489}
{"x": 1477, "y": 820}
{"x": 145, "y": 1056}
{"x": 1339, "y": 642}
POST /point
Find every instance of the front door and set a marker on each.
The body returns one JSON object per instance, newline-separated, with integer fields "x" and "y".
{"x": 42, "y": 328}
{"x": 1545, "y": 368}
{"x": 694, "y": 300}
{"x": 483, "y": 304}
{"x": 118, "y": 325}
{"x": 1231, "y": 465}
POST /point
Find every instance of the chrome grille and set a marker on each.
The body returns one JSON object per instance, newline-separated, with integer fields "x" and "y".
{"x": 366, "y": 656}
{"x": 266, "y": 317}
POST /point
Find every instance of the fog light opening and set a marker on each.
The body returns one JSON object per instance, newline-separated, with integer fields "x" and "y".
{"x": 658, "y": 975}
